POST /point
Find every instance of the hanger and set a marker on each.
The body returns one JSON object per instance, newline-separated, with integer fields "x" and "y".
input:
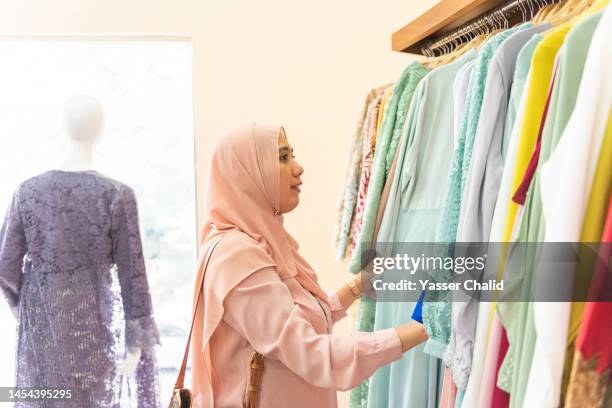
{"x": 565, "y": 9}
{"x": 572, "y": 9}
{"x": 491, "y": 29}
{"x": 553, "y": 11}
{"x": 528, "y": 9}
{"x": 540, "y": 15}
{"x": 474, "y": 34}
{"x": 448, "y": 51}
{"x": 566, "y": 6}
{"x": 523, "y": 10}
{"x": 501, "y": 22}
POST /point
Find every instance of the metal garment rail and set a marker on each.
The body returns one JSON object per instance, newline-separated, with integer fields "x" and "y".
{"x": 501, "y": 17}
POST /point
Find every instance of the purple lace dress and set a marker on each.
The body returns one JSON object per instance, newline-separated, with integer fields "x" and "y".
{"x": 72, "y": 270}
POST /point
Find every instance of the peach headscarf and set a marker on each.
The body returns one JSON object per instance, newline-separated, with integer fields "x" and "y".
{"x": 242, "y": 205}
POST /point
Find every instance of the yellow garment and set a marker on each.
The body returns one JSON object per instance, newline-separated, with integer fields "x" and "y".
{"x": 381, "y": 112}
{"x": 539, "y": 80}
{"x": 537, "y": 90}
{"x": 541, "y": 73}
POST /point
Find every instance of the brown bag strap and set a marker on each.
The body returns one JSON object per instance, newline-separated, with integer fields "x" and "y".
{"x": 255, "y": 382}
{"x": 181, "y": 375}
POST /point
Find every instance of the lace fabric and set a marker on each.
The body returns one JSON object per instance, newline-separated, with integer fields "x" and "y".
{"x": 437, "y": 308}
{"x": 72, "y": 269}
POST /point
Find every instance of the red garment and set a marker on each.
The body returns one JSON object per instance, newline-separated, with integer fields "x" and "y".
{"x": 520, "y": 195}
{"x": 501, "y": 399}
{"x": 591, "y": 377}
{"x": 594, "y": 339}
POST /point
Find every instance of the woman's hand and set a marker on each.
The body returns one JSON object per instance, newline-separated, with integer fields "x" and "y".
{"x": 360, "y": 285}
{"x": 346, "y": 294}
{"x": 411, "y": 334}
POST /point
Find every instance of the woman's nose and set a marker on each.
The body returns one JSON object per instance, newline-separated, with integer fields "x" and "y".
{"x": 298, "y": 170}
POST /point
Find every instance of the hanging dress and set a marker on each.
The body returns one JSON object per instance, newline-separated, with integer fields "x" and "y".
{"x": 410, "y": 216}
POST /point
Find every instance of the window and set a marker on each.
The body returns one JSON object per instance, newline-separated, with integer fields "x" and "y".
{"x": 145, "y": 87}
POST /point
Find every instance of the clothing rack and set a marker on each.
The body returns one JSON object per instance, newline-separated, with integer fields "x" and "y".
{"x": 449, "y": 23}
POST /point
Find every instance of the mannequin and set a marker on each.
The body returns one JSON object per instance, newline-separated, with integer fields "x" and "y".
{"x": 70, "y": 255}
{"x": 83, "y": 121}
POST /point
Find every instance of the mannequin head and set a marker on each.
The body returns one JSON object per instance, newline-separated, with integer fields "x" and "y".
{"x": 83, "y": 119}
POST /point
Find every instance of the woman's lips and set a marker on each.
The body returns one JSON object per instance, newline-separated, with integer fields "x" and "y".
{"x": 296, "y": 188}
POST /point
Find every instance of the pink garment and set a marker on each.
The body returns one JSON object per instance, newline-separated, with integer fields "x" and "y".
{"x": 384, "y": 197}
{"x": 366, "y": 167}
{"x": 489, "y": 376}
{"x": 501, "y": 399}
{"x": 449, "y": 390}
{"x": 260, "y": 294}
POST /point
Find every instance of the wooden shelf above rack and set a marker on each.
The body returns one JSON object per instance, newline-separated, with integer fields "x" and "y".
{"x": 440, "y": 19}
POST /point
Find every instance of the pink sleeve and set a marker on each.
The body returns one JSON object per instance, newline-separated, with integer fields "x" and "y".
{"x": 262, "y": 310}
{"x": 335, "y": 307}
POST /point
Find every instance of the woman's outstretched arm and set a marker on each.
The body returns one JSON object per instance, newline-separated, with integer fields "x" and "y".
{"x": 262, "y": 310}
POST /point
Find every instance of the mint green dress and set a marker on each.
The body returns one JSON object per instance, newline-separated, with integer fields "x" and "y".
{"x": 437, "y": 314}
{"x": 386, "y": 146}
{"x": 411, "y": 215}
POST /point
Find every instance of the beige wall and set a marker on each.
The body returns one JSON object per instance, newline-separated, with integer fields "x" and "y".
{"x": 304, "y": 64}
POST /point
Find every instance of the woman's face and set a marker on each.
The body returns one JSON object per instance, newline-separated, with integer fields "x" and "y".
{"x": 290, "y": 172}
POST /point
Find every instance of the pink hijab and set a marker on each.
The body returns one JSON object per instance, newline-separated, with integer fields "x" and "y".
{"x": 242, "y": 205}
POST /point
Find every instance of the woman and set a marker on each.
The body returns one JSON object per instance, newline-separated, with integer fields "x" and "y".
{"x": 261, "y": 295}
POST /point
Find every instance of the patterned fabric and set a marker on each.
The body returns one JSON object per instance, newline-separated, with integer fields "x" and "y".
{"x": 393, "y": 120}
{"x": 388, "y": 140}
{"x": 411, "y": 76}
{"x": 589, "y": 388}
{"x": 348, "y": 197}
{"x": 372, "y": 118}
{"x": 62, "y": 237}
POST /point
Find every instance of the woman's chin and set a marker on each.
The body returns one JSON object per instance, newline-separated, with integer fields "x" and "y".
{"x": 291, "y": 204}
